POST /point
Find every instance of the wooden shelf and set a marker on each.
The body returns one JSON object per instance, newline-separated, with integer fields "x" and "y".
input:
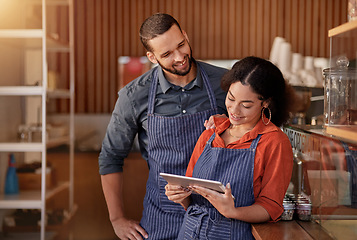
{"x": 33, "y": 146}
{"x": 20, "y": 147}
{"x": 21, "y": 33}
{"x": 56, "y": 228}
{"x": 33, "y": 91}
{"x": 343, "y": 29}
{"x": 29, "y": 199}
{"x": 348, "y": 132}
{"x": 21, "y": 91}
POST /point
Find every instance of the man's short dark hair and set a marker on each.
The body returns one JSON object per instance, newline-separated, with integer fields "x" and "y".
{"x": 154, "y": 26}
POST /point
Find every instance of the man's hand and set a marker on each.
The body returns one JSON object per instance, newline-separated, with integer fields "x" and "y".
{"x": 210, "y": 123}
{"x": 128, "y": 229}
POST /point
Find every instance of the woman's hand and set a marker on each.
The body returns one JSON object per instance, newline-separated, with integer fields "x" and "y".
{"x": 178, "y": 194}
{"x": 224, "y": 203}
{"x": 210, "y": 123}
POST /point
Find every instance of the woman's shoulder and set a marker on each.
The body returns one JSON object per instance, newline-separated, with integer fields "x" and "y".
{"x": 275, "y": 135}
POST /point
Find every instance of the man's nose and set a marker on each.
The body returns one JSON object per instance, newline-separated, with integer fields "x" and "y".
{"x": 179, "y": 56}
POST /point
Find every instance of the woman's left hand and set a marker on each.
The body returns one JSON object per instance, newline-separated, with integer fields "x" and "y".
{"x": 224, "y": 203}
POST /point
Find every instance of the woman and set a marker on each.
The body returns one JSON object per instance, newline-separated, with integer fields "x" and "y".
{"x": 246, "y": 151}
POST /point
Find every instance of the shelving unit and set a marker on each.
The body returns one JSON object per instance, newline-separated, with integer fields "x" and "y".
{"x": 343, "y": 40}
{"x": 21, "y": 39}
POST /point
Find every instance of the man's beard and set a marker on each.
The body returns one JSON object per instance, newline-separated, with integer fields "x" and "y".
{"x": 175, "y": 71}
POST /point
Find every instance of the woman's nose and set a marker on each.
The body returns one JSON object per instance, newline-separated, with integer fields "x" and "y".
{"x": 235, "y": 109}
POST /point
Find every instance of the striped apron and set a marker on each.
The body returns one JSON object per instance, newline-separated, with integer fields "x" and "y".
{"x": 351, "y": 159}
{"x": 234, "y": 166}
{"x": 171, "y": 142}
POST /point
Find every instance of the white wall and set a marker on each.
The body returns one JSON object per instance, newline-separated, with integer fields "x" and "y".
{"x": 89, "y": 129}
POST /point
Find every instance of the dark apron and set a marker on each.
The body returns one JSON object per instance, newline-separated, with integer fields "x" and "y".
{"x": 171, "y": 142}
{"x": 234, "y": 166}
{"x": 351, "y": 158}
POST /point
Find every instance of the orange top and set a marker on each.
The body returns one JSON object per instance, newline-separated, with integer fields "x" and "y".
{"x": 273, "y": 161}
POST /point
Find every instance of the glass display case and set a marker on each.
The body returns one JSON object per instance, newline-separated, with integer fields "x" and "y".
{"x": 325, "y": 157}
{"x": 340, "y": 97}
{"x": 325, "y": 172}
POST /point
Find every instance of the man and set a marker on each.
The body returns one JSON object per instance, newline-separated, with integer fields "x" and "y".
{"x": 166, "y": 107}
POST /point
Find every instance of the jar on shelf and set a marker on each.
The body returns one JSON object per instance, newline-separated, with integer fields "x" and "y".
{"x": 289, "y": 209}
{"x": 304, "y": 211}
{"x": 340, "y": 103}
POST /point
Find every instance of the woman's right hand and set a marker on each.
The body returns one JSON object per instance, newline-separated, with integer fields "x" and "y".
{"x": 178, "y": 194}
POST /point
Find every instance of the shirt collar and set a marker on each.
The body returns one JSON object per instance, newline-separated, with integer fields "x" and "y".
{"x": 166, "y": 85}
{"x": 223, "y": 123}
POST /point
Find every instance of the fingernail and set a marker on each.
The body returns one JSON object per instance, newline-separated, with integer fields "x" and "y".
{"x": 228, "y": 185}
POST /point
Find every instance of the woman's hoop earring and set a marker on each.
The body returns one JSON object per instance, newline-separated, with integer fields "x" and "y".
{"x": 263, "y": 115}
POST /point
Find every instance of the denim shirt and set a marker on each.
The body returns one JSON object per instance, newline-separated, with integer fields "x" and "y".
{"x": 129, "y": 116}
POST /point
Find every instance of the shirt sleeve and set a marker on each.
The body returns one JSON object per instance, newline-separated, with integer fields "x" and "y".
{"x": 275, "y": 173}
{"x": 119, "y": 136}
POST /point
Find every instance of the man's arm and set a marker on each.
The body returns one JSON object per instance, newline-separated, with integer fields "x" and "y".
{"x": 124, "y": 228}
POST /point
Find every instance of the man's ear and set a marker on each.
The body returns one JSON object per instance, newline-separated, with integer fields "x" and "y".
{"x": 151, "y": 57}
{"x": 185, "y": 35}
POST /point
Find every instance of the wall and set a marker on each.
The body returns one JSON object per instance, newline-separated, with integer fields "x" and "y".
{"x": 218, "y": 29}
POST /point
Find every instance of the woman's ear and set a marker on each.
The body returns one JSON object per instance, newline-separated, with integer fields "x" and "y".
{"x": 266, "y": 103}
{"x": 151, "y": 57}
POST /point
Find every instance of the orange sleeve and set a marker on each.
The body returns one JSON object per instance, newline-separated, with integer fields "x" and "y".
{"x": 272, "y": 172}
{"x": 197, "y": 151}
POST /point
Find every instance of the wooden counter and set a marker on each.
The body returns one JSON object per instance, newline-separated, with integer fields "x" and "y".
{"x": 289, "y": 230}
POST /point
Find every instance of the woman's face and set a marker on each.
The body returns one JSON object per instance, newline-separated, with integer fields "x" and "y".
{"x": 243, "y": 105}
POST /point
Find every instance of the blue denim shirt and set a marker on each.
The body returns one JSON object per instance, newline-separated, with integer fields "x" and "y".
{"x": 130, "y": 112}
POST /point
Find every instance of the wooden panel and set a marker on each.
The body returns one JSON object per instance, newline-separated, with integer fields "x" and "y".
{"x": 219, "y": 29}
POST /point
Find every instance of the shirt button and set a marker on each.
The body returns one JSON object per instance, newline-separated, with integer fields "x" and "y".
{"x": 182, "y": 90}
{"x": 183, "y": 111}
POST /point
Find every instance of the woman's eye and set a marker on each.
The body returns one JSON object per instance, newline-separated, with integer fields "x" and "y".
{"x": 245, "y": 106}
{"x": 230, "y": 99}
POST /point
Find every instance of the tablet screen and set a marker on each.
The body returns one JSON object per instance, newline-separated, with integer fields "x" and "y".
{"x": 190, "y": 181}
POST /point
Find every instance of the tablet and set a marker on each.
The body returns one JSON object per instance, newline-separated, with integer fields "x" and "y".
{"x": 190, "y": 181}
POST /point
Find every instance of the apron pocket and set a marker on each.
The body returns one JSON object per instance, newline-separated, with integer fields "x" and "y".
{"x": 165, "y": 204}
{"x": 219, "y": 229}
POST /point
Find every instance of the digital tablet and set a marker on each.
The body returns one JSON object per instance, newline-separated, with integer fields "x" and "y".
{"x": 190, "y": 181}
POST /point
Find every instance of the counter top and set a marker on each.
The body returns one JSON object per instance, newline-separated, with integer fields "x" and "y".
{"x": 320, "y": 131}
{"x": 289, "y": 230}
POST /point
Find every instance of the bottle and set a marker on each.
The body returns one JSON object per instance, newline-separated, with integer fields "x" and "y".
{"x": 11, "y": 180}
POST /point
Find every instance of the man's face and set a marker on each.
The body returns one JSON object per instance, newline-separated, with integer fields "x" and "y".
{"x": 172, "y": 52}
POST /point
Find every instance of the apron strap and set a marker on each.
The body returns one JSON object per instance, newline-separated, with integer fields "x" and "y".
{"x": 152, "y": 92}
{"x": 211, "y": 95}
{"x": 255, "y": 142}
